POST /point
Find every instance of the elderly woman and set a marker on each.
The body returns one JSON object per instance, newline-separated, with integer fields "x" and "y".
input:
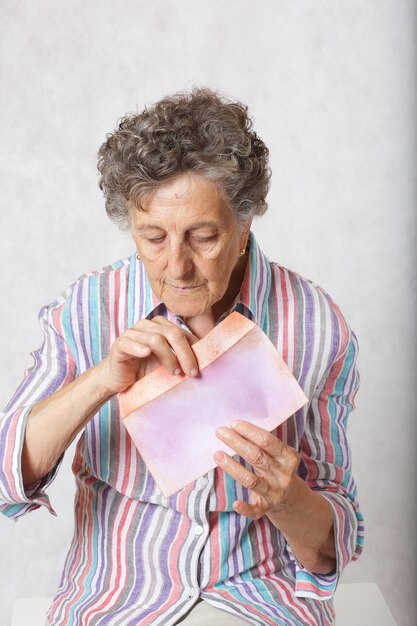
{"x": 262, "y": 538}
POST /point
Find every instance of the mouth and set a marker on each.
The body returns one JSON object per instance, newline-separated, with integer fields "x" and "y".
{"x": 185, "y": 289}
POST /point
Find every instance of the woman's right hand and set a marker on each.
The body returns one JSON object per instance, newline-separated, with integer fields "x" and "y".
{"x": 143, "y": 348}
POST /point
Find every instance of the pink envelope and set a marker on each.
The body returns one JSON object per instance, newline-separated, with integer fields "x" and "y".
{"x": 172, "y": 419}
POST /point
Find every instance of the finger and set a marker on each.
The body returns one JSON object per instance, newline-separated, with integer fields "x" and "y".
{"x": 156, "y": 344}
{"x": 252, "y": 453}
{"x": 159, "y": 346}
{"x": 162, "y": 321}
{"x": 179, "y": 341}
{"x": 192, "y": 339}
{"x": 260, "y": 437}
{"x": 128, "y": 348}
{"x": 180, "y": 344}
{"x": 249, "y": 510}
{"x": 242, "y": 475}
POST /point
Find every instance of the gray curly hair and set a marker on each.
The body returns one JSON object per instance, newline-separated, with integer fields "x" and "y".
{"x": 197, "y": 130}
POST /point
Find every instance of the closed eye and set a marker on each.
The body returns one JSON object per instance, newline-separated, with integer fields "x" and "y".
{"x": 155, "y": 239}
{"x": 204, "y": 239}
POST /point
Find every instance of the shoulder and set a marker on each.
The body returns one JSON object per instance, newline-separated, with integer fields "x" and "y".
{"x": 88, "y": 289}
{"x": 113, "y": 270}
{"x": 297, "y": 287}
{"x": 312, "y": 308}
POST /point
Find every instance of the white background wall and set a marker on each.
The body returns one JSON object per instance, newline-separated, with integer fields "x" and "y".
{"x": 332, "y": 88}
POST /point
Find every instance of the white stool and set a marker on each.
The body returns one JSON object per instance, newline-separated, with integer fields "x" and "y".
{"x": 361, "y": 604}
{"x": 30, "y": 611}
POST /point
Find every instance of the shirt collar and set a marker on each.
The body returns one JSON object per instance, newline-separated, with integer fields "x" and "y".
{"x": 256, "y": 285}
{"x": 253, "y": 295}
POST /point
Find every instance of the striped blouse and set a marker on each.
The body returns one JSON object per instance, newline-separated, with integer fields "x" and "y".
{"x": 137, "y": 557}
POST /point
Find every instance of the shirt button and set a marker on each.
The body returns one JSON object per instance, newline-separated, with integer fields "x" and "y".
{"x": 203, "y": 482}
{"x": 199, "y": 530}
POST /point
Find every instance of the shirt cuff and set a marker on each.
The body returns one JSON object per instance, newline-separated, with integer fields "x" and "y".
{"x": 15, "y": 500}
{"x": 348, "y": 535}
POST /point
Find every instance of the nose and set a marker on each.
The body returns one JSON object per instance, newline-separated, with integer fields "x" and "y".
{"x": 180, "y": 264}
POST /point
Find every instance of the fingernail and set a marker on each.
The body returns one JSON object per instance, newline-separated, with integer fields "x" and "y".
{"x": 219, "y": 457}
{"x": 193, "y": 372}
{"x": 177, "y": 371}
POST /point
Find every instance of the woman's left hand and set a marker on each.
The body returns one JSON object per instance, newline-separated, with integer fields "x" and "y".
{"x": 274, "y": 484}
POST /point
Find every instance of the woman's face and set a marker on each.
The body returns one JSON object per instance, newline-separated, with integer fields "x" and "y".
{"x": 189, "y": 241}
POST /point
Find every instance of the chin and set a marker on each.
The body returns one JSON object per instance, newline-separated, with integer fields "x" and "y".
{"x": 185, "y": 309}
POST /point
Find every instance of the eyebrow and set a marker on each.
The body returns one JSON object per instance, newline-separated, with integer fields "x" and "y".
{"x": 145, "y": 227}
{"x": 202, "y": 224}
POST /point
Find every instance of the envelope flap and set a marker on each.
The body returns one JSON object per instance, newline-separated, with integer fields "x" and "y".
{"x": 208, "y": 349}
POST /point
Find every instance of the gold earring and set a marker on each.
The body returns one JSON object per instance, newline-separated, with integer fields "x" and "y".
{"x": 242, "y": 252}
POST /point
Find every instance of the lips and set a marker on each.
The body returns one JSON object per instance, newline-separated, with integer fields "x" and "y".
{"x": 184, "y": 289}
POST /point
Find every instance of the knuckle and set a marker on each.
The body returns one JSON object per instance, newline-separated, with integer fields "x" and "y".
{"x": 251, "y": 481}
{"x": 161, "y": 320}
{"x": 174, "y": 334}
{"x": 265, "y": 441}
{"x": 139, "y": 324}
{"x": 154, "y": 340}
{"x": 122, "y": 342}
{"x": 294, "y": 460}
{"x": 256, "y": 457}
{"x": 130, "y": 333}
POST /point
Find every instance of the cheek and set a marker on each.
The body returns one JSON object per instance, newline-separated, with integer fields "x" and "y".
{"x": 219, "y": 271}
{"x": 154, "y": 254}
{"x": 154, "y": 268}
{"x": 151, "y": 253}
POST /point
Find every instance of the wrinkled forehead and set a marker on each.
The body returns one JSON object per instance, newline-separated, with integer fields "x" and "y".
{"x": 188, "y": 199}
{"x": 183, "y": 185}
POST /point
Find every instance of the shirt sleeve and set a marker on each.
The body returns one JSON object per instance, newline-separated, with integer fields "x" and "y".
{"x": 326, "y": 466}
{"x": 53, "y": 368}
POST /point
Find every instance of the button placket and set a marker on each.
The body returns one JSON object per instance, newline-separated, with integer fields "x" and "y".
{"x": 191, "y": 593}
{"x": 199, "y": 530}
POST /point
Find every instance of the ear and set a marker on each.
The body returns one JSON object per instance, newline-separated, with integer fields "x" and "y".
{"x": 244, "y": 236}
